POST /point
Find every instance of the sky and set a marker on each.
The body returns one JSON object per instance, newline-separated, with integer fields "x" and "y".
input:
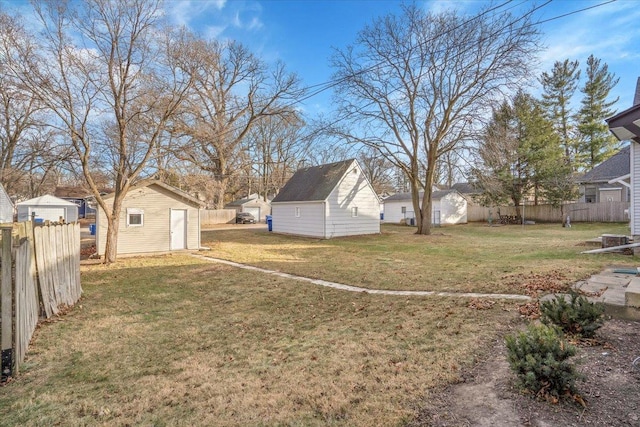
{"x": 304, "y": 33}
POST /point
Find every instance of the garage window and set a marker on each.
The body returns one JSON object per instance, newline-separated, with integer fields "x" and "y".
{"x": 354, "y": 212}
{"x": 297, "y": 212}
{"x": 135, "y": 217}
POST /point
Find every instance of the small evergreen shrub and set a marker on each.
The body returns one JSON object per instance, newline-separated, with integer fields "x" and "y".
{"x": 539, "y": 358}
{"x": 578, "y": 316}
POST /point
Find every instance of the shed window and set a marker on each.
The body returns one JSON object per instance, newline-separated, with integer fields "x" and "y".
{"x": 403, "y": 209}
{"x": 590, "y": 194}
{"x": 354, "y": 212}
{"x": 135, "y": 217}
{"x": 297, "y": 212}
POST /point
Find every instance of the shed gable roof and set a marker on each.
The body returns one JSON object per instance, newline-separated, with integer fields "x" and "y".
{"x": 313, "y": 183}
{"x": 614, "y": 167}
{"x": 179, "y": 194}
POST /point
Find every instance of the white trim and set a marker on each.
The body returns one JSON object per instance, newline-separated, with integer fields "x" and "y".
{"x": 624, "y": 180}
{"x": 135, "y": 211}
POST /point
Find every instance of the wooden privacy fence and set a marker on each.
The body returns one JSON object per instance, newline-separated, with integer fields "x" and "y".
{"x": 40, "y": 276}
{"x": 217, "y": 216}
{"x": 578, "y": 212}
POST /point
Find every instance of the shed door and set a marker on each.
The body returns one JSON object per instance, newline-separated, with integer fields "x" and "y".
{"x": 178, "y": 229}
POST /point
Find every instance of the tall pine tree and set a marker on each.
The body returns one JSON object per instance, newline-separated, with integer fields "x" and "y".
{"x": 558, "y": 87}
{"x": 519, "y": 152}
{"x": 596, "y": 142}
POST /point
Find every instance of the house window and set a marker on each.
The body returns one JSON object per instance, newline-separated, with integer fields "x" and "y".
{"x": 590, "y": 194}
{"x": 354, "y": 212}
{"x": 297, "y": 212}
{"x": 135, "y": 217}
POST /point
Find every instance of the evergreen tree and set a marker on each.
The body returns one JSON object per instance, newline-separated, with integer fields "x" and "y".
{"x": 596, "y": 142}
{"x": 520, "y": 151}
{"x": 558, "y": 87}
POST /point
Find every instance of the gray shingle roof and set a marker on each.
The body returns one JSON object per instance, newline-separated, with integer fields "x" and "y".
{"x": 241, "y": 202}
{"x": 313, "y": 183}
{"x": 615, "y": 166}
{"x": 466, "y": 188}
{"x": 436, "y": 195}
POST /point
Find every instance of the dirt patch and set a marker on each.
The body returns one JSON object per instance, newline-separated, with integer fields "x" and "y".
{"x": 487, "y": 396}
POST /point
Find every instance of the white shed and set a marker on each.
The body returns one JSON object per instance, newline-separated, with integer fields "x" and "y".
{"x": 6, "y": 207}
{"x": 327, "y": 201}
{"x": 47, "y": 208}
{"x": 155, "y": 217}
{"x": 448, "y": 207}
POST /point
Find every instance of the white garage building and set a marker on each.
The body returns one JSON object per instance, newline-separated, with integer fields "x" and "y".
{"x": 47, "y": 208}
{"x": 448, "y": 207}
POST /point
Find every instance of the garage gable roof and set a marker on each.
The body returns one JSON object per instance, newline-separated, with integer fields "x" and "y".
{"x": 46, "y": 200}
{"x": 313, "y": 183}
{"x": 179, "y": 194}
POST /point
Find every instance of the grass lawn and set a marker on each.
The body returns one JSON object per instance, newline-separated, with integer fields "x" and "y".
{"x": 469, "y": 258}
{"x": 174, "y": 340}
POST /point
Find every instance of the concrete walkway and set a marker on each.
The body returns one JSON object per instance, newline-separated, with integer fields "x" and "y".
{"x": 350, "y": 288}
{"x": 619, "y": 292}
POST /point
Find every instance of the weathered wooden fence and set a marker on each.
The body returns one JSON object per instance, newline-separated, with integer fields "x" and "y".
{"x": 40, "y": 276}
{"x": 217, "y": 216}
{"x": 578, "y": 212}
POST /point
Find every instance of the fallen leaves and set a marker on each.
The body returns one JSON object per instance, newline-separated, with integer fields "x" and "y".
{"x": 535, "y": 284}
{"x": 481, "y": 304}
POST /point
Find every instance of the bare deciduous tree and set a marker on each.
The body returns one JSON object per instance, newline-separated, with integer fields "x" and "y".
{"x": 416, "y": 85}
{"x": 276, "y": 146}
{"x": 29, "y": 152}
{"x": 233, "y": 90}
{"x": 105, "y": 70}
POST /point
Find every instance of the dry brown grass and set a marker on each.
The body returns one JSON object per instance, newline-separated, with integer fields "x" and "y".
{"x": 470, "y": 258}
{"x": 175, "y": 340}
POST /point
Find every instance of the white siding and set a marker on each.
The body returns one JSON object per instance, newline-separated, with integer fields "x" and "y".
{"x": 155, "y": 234}
{"x": 453, "y": 209}
{"x": 635, "y": 193}
{"x": 309, "y": 223}
{"x": 6, "y": 207}
{"x": 353, "y": 191}
{"x": 48, "y": 213}
{"x": 393, "y": 211}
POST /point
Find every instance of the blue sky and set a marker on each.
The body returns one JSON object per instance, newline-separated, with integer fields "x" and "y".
{"x": 302, "y": 33}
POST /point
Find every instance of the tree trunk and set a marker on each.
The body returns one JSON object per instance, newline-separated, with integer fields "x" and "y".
{"x": 113, "y": 226}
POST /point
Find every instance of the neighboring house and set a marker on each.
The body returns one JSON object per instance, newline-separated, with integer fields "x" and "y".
{"x": 624, "y": 126}
{"x": 606, "y": 182}
{"x": 79, "y": 196}
{"x": 155, "y": 217}
{"x": 47, "y": 208}
{"x": 253, "y": 205}
{"x": 448, "y": 207}
{"x": 6, "y": 207}
{"x": 468, "y": 190}
{"x": 327, "y": 201}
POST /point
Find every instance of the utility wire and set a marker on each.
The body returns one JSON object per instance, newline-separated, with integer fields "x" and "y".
{"x": 322, "y": 87}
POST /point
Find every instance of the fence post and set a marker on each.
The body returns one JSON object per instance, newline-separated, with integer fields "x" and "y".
{"x": 6, "y": 295}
